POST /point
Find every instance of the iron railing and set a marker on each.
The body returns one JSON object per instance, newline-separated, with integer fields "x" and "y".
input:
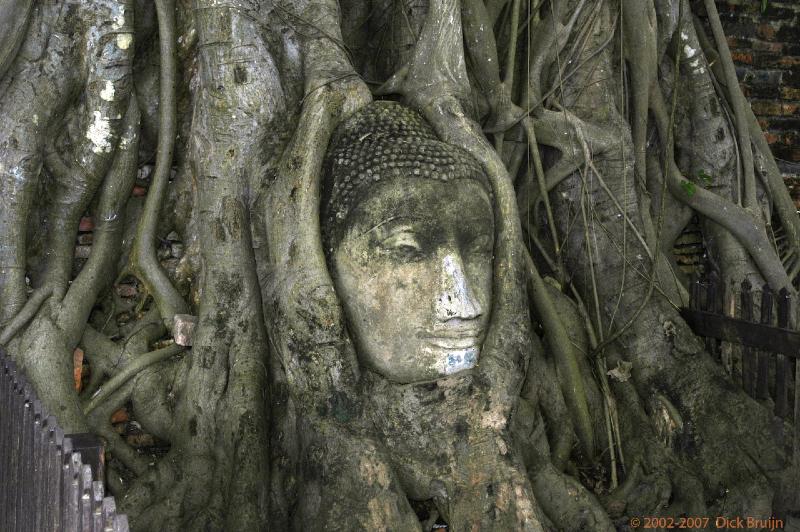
{"x": 48, "y": 481}
{"x": 753, "y": 335}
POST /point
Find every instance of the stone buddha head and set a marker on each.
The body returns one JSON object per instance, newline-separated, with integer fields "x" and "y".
{"x": 408, "y": 230}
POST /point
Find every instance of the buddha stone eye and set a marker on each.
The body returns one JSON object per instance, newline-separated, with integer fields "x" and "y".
{"x": 481, "y": 244}
{"x": 403, "y": 245}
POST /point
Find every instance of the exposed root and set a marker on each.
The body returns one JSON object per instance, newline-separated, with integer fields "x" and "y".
{"x": 99, "y": 421}
{"x": 141, "y": 363}
{"x": 25, "y": 314}
{"x": 739, "y": 104}
{"x": 144, "y": 261}
{"x": 738, "y": 221}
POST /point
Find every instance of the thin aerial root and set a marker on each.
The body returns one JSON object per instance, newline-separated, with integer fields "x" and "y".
{"x": 100, "y": 422}
{"x": 772, "y": 178}
{"x": 26, "y": 314}
{"x": 140, "y": 363}
{"x": 114, "y": 193}
{"x": 527, "y": 123}
{"x": 144, "y": 261}
{"x": 739, "y": 221}
{"x": 739, "y": 104}
{"x": 565, "y": 357}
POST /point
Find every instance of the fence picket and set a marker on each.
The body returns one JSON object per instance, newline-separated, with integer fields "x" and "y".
{"x": 109, "y": 511}
{"x": 782, "y": 364}
{"x": 35, "y": 498}
{"x": 748, "y": 366}
{"x": 712, "y": 296}
{"x": 695, "y": 295}
{"x": 19, "y": 464}
{"x": 98, "y": 492}
{"x": 87, "y": 519}
{"x": 762, "y": 387}
{"x": 6, "y": 378}
{"x": 51, "y": 492}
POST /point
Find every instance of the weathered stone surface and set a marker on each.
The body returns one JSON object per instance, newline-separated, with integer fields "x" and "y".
{"x": 183, "y": 329}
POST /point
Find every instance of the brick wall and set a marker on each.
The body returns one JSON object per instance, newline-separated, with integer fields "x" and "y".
{"x": 765, "y": 46}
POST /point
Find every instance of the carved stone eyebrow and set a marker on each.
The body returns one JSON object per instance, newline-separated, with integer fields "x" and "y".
{"x": 384, "y": 222}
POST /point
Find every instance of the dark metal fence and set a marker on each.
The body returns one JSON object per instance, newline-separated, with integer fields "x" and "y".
{"x": 48, "y": 481}
{"x": 752, "y": 332}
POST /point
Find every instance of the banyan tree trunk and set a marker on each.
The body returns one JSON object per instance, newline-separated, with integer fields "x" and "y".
{"x": 184, "y": 140}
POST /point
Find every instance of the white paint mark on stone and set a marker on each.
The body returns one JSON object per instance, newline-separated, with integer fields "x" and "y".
{"x": 17, "y": 174}
{"x": 501, "y": 445}
{"x": 108, "y": 92}
{"x": 99, "y": 133}
{"x": 124, "y": 40}
{"x": 493, "y": 419}
{"x": 454, "y": 301}
{"x": 459, "y": 360}
{"x": 119, "y": 19}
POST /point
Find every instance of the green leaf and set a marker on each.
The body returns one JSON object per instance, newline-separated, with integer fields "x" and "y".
{"x": 704, "y": 176}
{"x": 689, "y": 187}
{"x": 764, "y": 5}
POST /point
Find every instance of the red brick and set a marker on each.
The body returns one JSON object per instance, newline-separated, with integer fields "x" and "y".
{"x": 766, "y": 31}
{"x": 77, "y": 367}
{"x": 126, "y": 290}
{"x": 767, "y": 107}
{"x": 739, "y": 42}
{"x": 789, "y": 61}
{"x": 120, "y": 416}
{"x": 790, "y": 93}
{"x": 742, "y": 57}
{"x": 772, "y": 138}
{"x": 83, "y": 252}
{"x": 139, "y": 191}
{"x": 774, "y": 108}
{"x": 87, "y": 224}
{"x": 771, "y": 47}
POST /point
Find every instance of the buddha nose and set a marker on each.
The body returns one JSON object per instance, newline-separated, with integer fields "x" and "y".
{"x": 456, "y": 299}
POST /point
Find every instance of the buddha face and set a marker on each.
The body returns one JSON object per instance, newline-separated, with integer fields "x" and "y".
{"x": 414, "y": 273}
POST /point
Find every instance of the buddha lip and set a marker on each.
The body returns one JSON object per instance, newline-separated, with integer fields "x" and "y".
{"x": 451, "y": 334}
{"x": 461, "y": 341}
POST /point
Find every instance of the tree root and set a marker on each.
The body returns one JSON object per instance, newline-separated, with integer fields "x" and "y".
{"x": 739, "y": 104}
{"x": 735, "y": 219}
{"x": 77, "y": 177}
{"x": 15, "y": 15}
{"x": 765, "y": 162}
{"x": 99, "y": 421}
{"x": 31, "y": 93}
{"x": 571, "y": 380}
{"x": 141, "y": 363}
{"x": 26, "y": 314}
{"x": 144, "y": 262}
